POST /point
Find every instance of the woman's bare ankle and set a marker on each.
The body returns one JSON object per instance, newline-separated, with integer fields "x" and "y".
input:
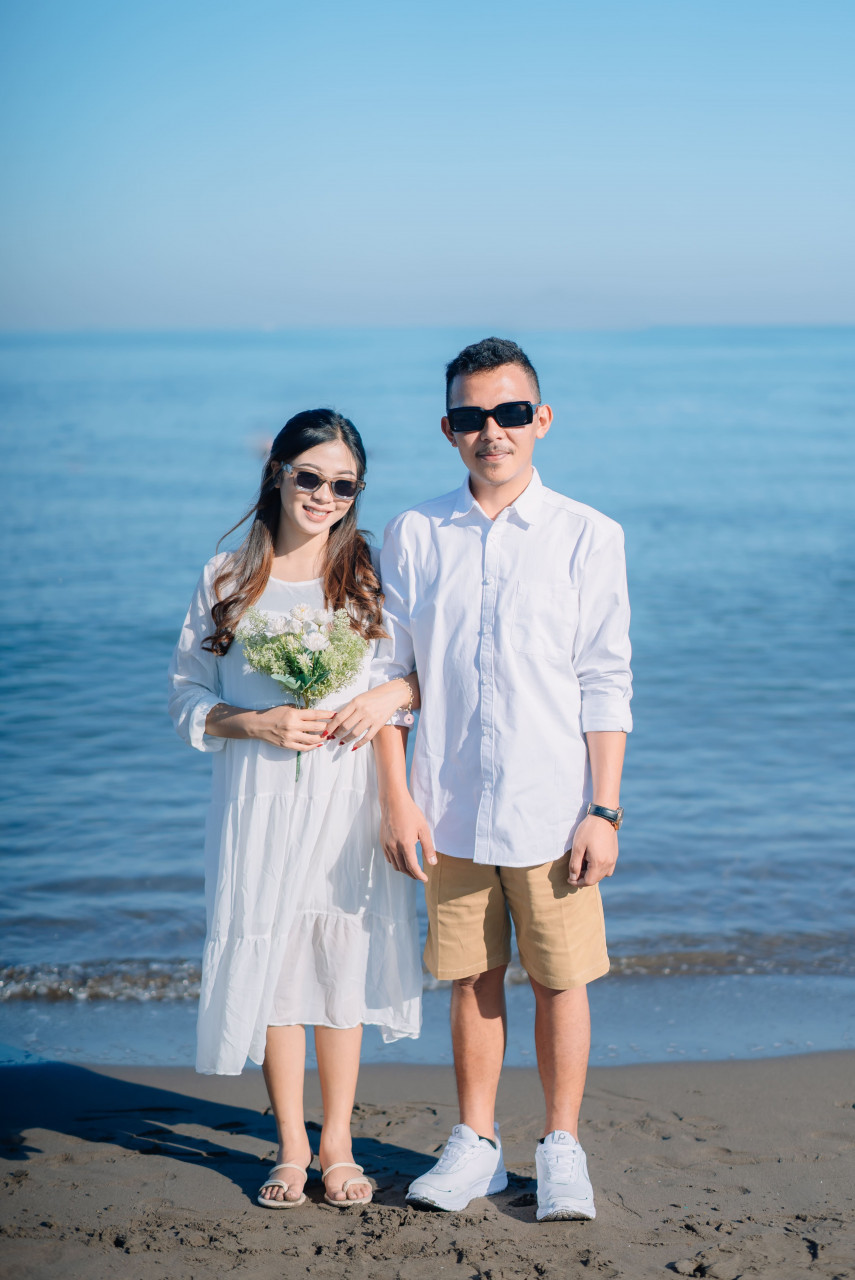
{"x": 300, "y": 1153}
{"x": 336, "y": 1147}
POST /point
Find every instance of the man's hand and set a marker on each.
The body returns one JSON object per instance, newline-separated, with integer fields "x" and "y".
{"x": 402, "y": 826}
{"x": 594, "y": 852}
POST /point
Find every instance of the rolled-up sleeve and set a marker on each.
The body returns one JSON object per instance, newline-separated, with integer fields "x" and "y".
{"x": 602, "y": 651}
{"x": 194, "y": 684}
{"x": 394, "y": 657}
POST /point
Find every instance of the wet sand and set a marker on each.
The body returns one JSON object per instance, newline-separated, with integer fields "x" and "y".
{"x": 721, "y": 1170}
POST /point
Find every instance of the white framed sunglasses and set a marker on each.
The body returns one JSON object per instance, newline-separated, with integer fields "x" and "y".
{"x": 306, "y": 481}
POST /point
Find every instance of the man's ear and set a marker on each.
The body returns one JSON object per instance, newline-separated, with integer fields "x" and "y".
{"x": 544, "y": 421}
{"x": 448, "y": 433}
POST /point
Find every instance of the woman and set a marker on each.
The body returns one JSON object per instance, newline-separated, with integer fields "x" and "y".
{"x": 307, "y": 923}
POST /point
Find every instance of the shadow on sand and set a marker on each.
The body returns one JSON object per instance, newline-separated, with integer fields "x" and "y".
{"x": 92, "y": 1107}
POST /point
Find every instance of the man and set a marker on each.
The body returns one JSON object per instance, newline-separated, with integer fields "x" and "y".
{"x": 510, "y": 601}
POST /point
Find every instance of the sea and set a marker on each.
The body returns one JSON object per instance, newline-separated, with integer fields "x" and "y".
{"x": 728, "y": 455}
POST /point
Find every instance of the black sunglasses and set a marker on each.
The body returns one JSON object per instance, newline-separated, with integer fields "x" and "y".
{"x": 516, "y": 413}
{"x": 310, "y": 482}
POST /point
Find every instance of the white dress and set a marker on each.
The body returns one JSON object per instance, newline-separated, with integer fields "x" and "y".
{"x": 306, "y": 921}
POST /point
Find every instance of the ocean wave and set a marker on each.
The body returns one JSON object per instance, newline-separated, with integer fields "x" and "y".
{"x": 164, "y": 980}
{"x": 130, "y": 980}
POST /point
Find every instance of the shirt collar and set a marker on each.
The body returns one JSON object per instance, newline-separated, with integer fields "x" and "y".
{"x": 528, "y": 504}
{"x": 464, "y": 501}
{"x": 526, "y": 508}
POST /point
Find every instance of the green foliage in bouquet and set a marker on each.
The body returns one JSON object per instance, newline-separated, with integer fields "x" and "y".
{"x": 311, "y": 653}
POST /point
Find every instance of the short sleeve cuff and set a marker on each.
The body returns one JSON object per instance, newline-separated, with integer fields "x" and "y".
{"x": 199, "y": 739}
{"x": 606, "y": 713}
{"x": 383, "y": 665}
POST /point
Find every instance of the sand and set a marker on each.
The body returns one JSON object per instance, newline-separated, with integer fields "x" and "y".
{"x": 715, "y": 1169}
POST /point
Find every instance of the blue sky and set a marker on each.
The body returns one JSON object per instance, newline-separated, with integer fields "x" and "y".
{"x": 260, "y": 164}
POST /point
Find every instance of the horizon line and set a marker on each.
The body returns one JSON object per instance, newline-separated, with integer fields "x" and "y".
{"x": 271, "y": 331}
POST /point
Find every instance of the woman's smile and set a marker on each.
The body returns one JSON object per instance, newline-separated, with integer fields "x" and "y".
{"x": 317, "y": 514}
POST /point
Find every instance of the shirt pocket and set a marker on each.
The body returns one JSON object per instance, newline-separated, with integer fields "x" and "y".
{"x": 545, "y": 618}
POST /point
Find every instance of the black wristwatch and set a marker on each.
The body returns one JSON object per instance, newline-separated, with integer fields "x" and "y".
{"x": 614, "y": 816}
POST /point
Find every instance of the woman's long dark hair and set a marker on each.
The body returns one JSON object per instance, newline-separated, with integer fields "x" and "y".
{"x": 349, "y": 578}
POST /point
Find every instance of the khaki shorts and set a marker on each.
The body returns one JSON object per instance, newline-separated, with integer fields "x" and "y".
{"x": 560, "y": 930}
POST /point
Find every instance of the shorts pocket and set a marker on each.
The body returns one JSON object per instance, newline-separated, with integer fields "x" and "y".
{"x": 546, "y": 615}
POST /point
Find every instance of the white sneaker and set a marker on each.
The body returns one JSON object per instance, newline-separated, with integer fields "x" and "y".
{"x": 563, "y": 1187}
{"x": 468, "y": 1167}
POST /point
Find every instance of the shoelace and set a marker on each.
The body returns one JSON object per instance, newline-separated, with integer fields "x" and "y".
{"x": 563, "y": 1165}
{"x": 455, "y": 1155}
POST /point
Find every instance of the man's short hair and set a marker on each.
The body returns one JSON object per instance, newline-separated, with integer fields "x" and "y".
{"x": 489, "y": 353}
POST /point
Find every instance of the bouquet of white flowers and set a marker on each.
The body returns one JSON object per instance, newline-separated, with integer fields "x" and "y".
{"x": 310, "y": 652}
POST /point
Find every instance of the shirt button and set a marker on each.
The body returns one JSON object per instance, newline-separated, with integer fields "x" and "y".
{"x": 487, "y": 582}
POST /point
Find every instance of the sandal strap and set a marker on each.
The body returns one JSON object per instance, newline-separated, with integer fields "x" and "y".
{"x": 277, "y": 1182}
{"x": 343, "y": 1164}
{"x": 348, "y": 1182}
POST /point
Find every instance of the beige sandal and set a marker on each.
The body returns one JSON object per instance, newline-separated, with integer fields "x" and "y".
{"x": 348, "y": 1182}
{"x": 270, "y": 1203}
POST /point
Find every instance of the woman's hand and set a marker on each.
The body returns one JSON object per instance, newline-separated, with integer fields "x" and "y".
{"x": 365, "y": 715}
{"x": 295, "y": 728}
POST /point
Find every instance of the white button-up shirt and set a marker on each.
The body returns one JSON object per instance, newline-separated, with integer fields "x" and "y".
{"x": 519, "y": 630}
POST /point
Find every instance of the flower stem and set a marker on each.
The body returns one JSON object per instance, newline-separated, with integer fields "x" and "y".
{"x": 305, "y": 697}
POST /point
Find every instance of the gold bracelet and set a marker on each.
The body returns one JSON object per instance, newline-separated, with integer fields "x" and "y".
{"x": 408, "y": 717}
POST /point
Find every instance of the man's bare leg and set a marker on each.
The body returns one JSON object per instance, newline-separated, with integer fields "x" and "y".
{"x": 562, "y": 1037}
{"x": 479, "y": 1026}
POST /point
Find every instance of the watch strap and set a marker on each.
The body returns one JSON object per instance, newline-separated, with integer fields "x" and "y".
{"x": 614, "y": 816}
